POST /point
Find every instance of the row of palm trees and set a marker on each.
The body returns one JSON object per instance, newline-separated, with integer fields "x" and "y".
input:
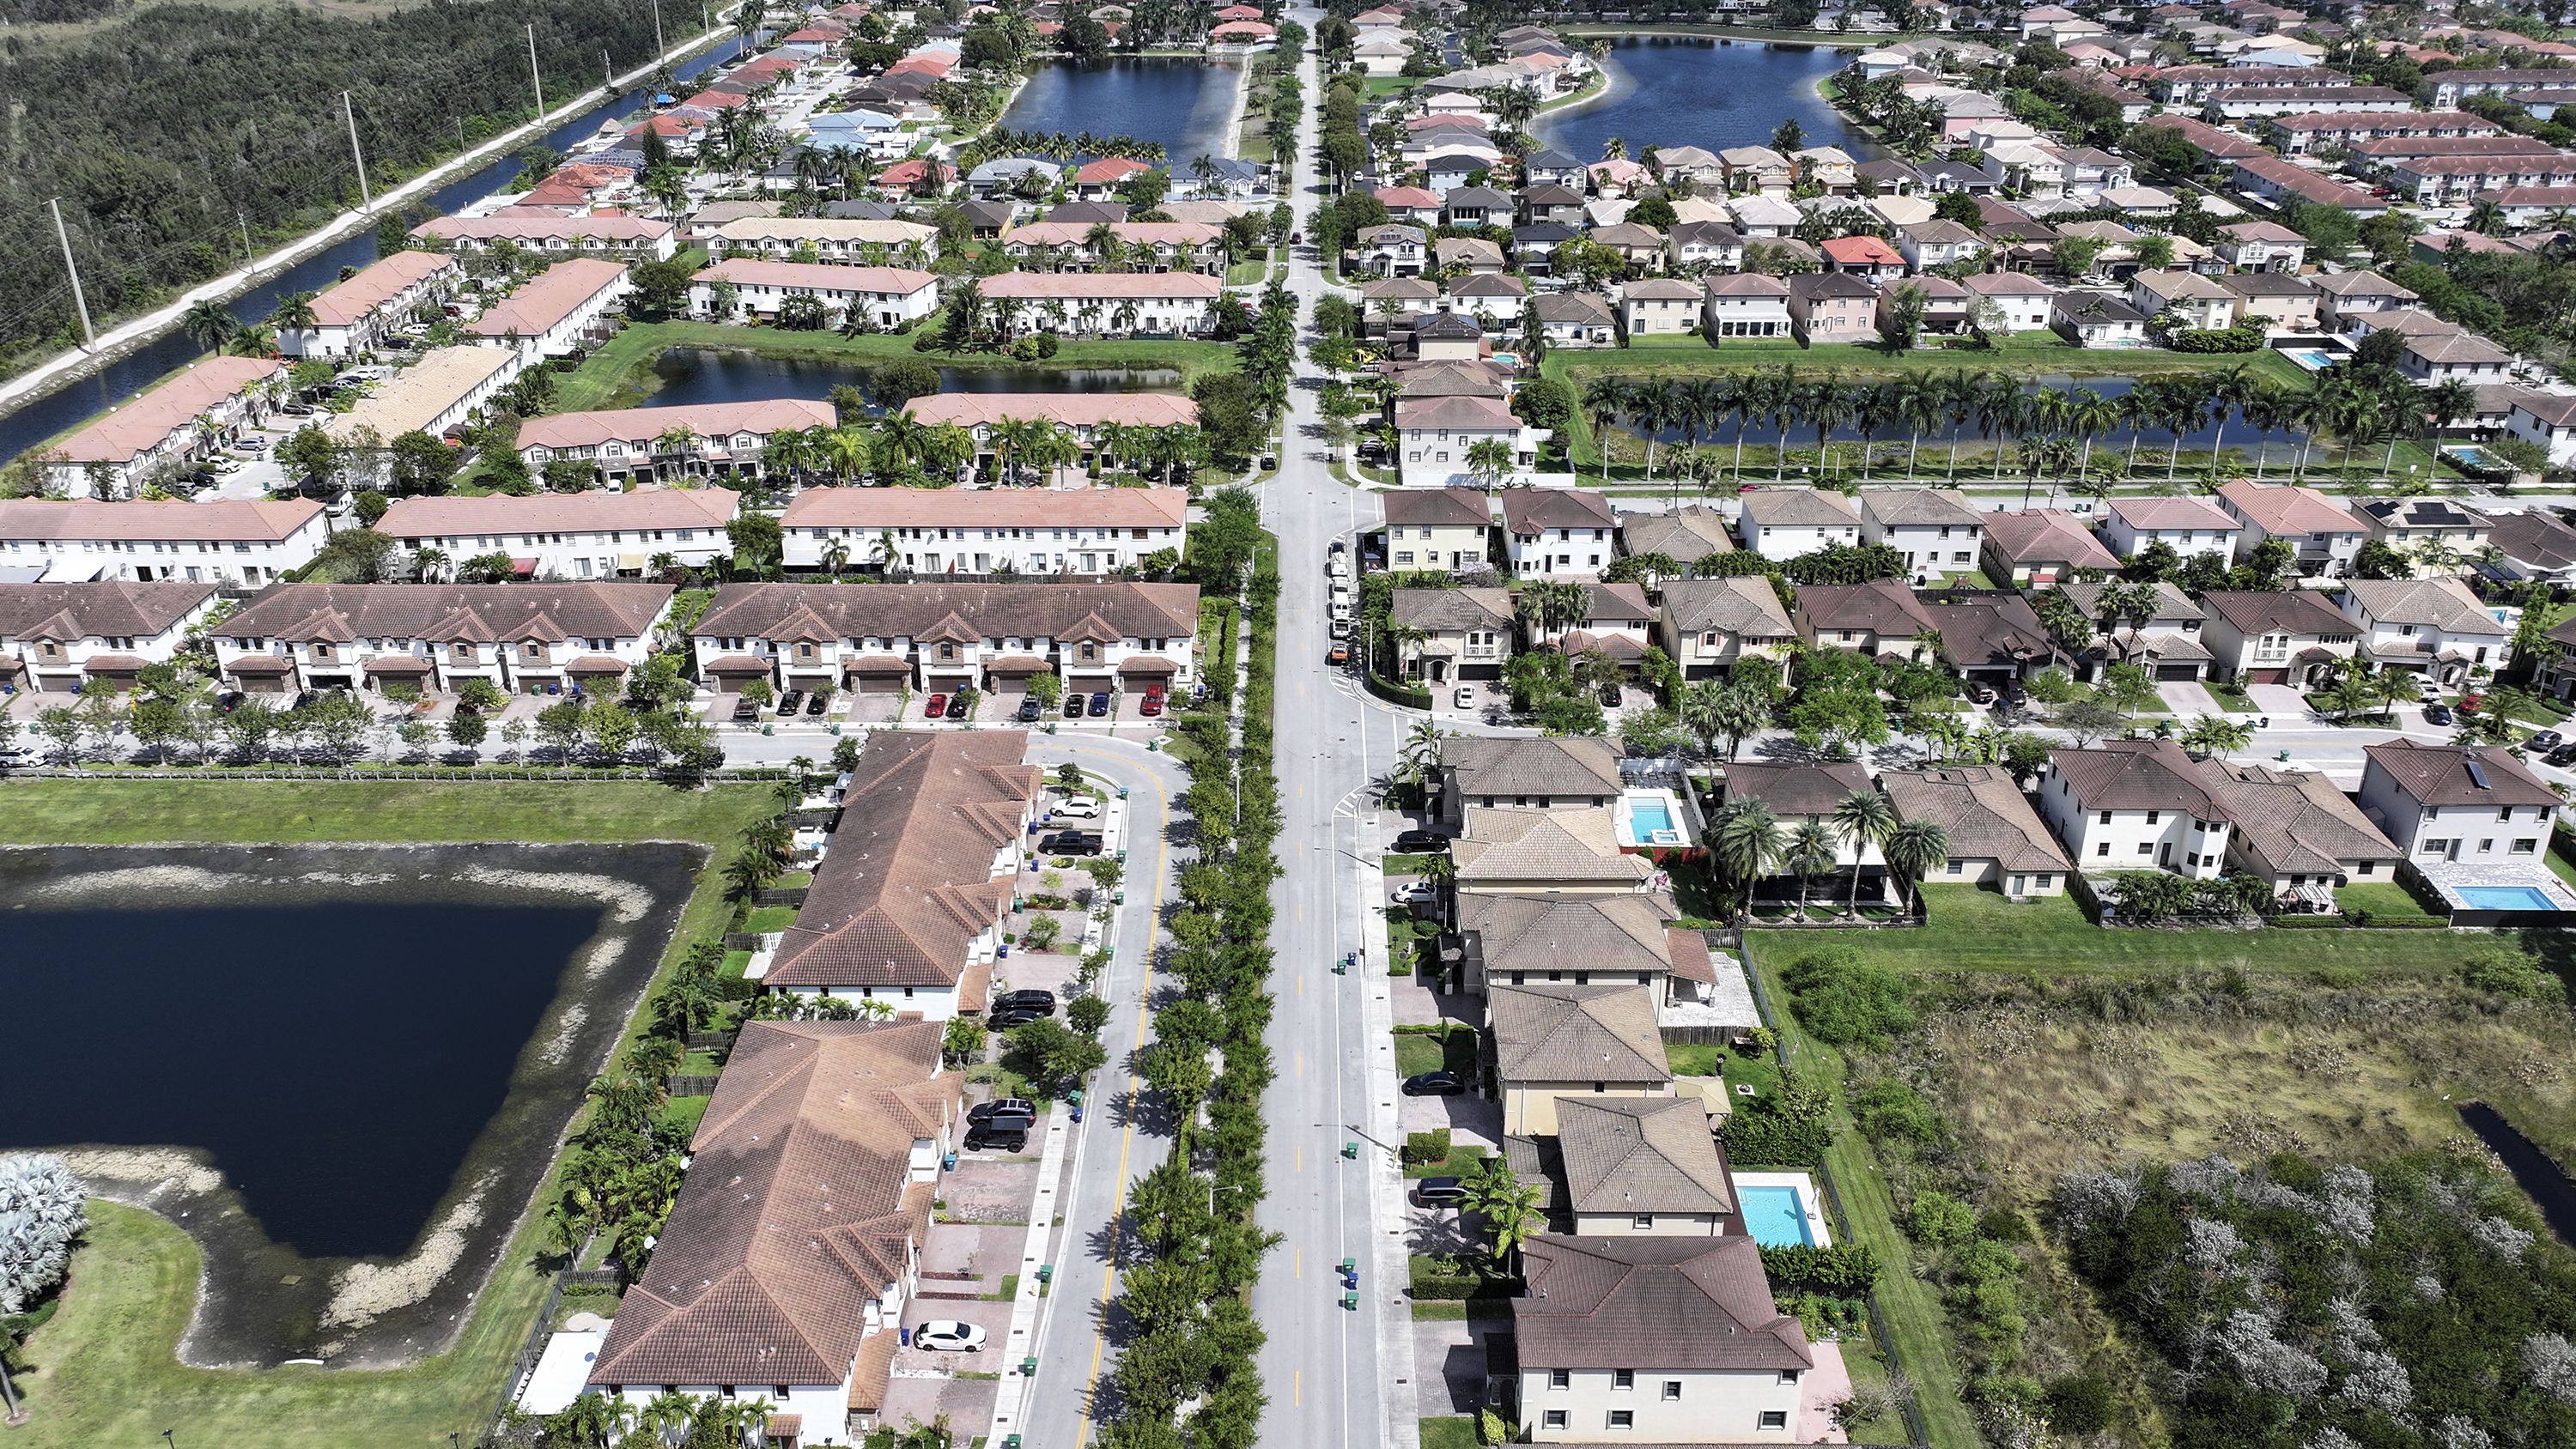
{"x": 2053, "y": 432}
{"x": 1748, "y": 843}
{"x": 1024, "y": 449}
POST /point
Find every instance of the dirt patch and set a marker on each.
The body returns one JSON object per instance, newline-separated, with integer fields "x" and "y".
{"x": 991, "y": 1190}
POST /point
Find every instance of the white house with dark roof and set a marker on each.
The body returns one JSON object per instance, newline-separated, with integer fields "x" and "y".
{"x": 1466, "y": 633}
{"x": 1996, "y": 839}
{"x": 1035, "y": 533}
{"x": 2296, "y": 832}
{"x": 2323, "y": 534}
{"x": 1558, "y": 533}
{"x": 1785, "y": 523}
{"x": 2289, "y": 636}
{"x": 2456, "y": 803}
{"x": 2135, "y": 805}
{"x": 1712, "y": 626}
{"x": 2536, "y": 547}
{"x": 1937, "y": 529}
{"x": 2189, "y": 526}
{"x": 1630, "y": 1167}
{"x": 58, "y": 638}
{"x": 531, "y": 638}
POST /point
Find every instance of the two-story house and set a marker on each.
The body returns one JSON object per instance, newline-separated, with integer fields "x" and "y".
{"x": 1879, "y": 617}
{"x": 1785, "y": 523}
{"x": 2438, "y": 535}
{"x": 2291, "y": 636}
{"x": 2135, "y": 805}
{"x": 2164, "y": 637}
{"x": 1438, "y": 528}
{"x": 2296, "y": 832}
{"x": 1685, "y": 535}
{"x": 2448, "y": 803}
{"x": 1558, "y": 532}
{"x": 1712, "y": 627}
{"x": 1996, "y": 839}
{"x": 60, "y": 638}
{"x": 691, "y": 440}
{"x": 599, "y": 534}
{"x": 1937, "y": 529}
{"x": 1659, "y": 307}
{"x": 1435, "y": 435}
{"x": 171, "y": 423}
{"x": 1465, "y": 633}
{"x": 1392, "y": 250}
{"x": 1120, "y": 638}
{"x": 1805, "y": 794}
{"x": 2036, "y": 547}
{"x": 531, "y": 638}
{"x": 2432, "y": 627}
{"x": 1557, "y": 1039}
{"x": 2323, "y": 534}
{"x": 2189, "y": 526}
{"x": 2182, "y": 300}
{"x": 1515, "y": 938}
{"x": 1744, "y": 304}
{"x": 882, "y": 297}
{"x": 1832, "y": 307}
{"x": 1030, "y": 532}
{"x": 357, "y": 315}
{"x": 221, "y": 541}
{"x": 1085, "y": 417}
{"x": 560, "y": 311}
{"x": 1630, "y": 1166}
{"x": 1500, "y": 773}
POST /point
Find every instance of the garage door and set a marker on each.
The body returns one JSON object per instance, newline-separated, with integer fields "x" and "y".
{"x": 948, "y": 683}
{"x": 57, "y": 683}
{"x": 877, "y": 683}
{"x": 1138, "y": 683}
{"x": 2177, "y": 671}
{"x": 1480, "y": 671}
{"x": 2269, "y": 676}
{"x": 263, "y": 683}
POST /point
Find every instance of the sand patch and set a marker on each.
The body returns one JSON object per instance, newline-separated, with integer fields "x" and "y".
{"x": 559, "y": 1046}
{"x": 366, "y": 1290}
{"x": 140, "y": 878}
{"x": 156, "y": 1169}
{"x": 627, "y": 903}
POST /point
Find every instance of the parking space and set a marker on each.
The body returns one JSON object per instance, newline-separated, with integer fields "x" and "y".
{"x": 965, "y": 1405}
{"x": 989, "y": 1187}
{"x": 986, "y": 1253}
{"x": 1481, "y": 695}
{"x": 1452, "y": 1358}
{"x": 993, "y": 1318}
{"x": 870, "y": 708}
{"x": 1040, "y": 970}
{"x": 1472, "y": 1120}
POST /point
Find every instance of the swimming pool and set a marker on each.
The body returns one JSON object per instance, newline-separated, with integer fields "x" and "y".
{"x": 2504, "y": 898}
{"x": 2314, "y": 359}
{"x": 1648, "y": 816}
{"x": 1775, "y": 1216}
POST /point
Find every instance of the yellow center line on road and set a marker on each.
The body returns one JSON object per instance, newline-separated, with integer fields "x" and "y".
{"x": 1127, "y": 1137}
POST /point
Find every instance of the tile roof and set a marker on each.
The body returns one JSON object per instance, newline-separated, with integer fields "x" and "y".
{"x": 2445, "y": 604}
{"x": 590, "y": 511}
{"x": 2288, "y": 510}
{"x": 987, "y": 507}
{"x": 707, "y": 420}
{"x": 1652, "y": 1302}
{"x": 1685, "y": 535}
{"x": 1917, "y": 506}
{"x": 509, "y": 613}
{"x": 1984, "y": 812}
{"x": 1072, "y": 409}
{"x": 1472, "y": 414}
{"x": 2138, "y": 775}
{"x": 2159, "y": 514}
{"x": 1546, "y": 931}
{"x": 132, "y": 427}
{"x": 1487, "y": 766}
{"x": 346, "y": 302}
{"x": 2533, "y": 537}
{"x": 1444, "y": 610}
{"x": 1641, "y": 1155}
{"x": 221, "y": 521}
{"x": 798, "y": 1213}
{"x": 552, "y": 227}
{"x": 2294, "y": 821}
{"x": 2046, "y": 535}
{"x": 1798, "y": 508}
{"x": 908, "y": 884}
{"x": 1438, "y": 507}
{"x": 2439, "y": 774}
{"x": 1533, "y": 510}
{"x": 2297, "y": 612}
{"x": 1052, "y": 610}
{"x": 821, "y": 276}
{"x": 1882, "y": 607}
{"x": 1746, "y": 606}
{"x": 1570, "y": 846}
{"x": 1559, "y": 1032}
{"x": 115, "y": 609}
{"x": 1799, "y": 790}
{"x": 1986, "y": 629}
{"x": 545, "y": 300}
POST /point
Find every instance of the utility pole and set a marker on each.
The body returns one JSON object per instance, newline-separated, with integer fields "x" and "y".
{"x": 659, "y": 49}
{"x": 534, "y": 77}
{"x": 366, "y": 194}
{"x": 607, "y": 74}
{"x": 78, "y": 299}
{"x": 244, "y": 219}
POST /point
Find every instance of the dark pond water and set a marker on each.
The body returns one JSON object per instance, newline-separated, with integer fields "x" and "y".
{"x": 702, "y": 375}
{"x": 1675, "y": 91}
{"x": 2547, "y": 1184}
{"x": 35, "y": 421}
{"x": 336, "y": 1059}
{"x": 2278, "y": 446}
{"x": 1185, "y": 104}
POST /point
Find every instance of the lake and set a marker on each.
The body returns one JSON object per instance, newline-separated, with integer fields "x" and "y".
{"x": 706, "y": 375}
{"x": 1188, "y": 105}
{"x": 1686, "y": 91}
{"x": 373, "y": 1049}
{"x": 2241, "y": 436}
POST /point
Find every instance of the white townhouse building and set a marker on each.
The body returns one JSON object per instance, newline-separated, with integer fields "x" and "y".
{"x": 1554, "y": 533}
{"x": 1118, "y": 638}
{"x": 2135, "y": 805}
{"x": 1031, "y": 532}
{"x": 2324, "y": 534}
{"x": 448, "y": 386}
{"x": 2191, "y": 526}
{"x": 1433, "y": 435}
{"x": 171, "y": 424}
{"x": 1937, "y": 529}
{"x": 551, "y": 234}
{"x": 241, "y": 542}
{"x": 1785, "y": 523}
{"x": 599, "y": 534}
{"x": 888, "y": 297}
{"x": 1156, "y": 304}
{"x": 689, "y": 440}
{"x": 2432, "y": 627}
{"x": 559, "y": 311}
{"x": 1084, "y": 415}
{"x": 2454, "y": 802}
{"x": 57, "y": 638}
{"x": 354, "y": 316}
{"x": 831, "y": 239}
{"x": 531, "y": 638}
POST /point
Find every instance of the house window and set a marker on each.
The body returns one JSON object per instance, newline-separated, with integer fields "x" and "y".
{"x": 2044, "y": 880}
{"x": 1560, "y": 1378}
{"x": 2106, "y": 817}
{"x": 1774, "y": 1419}
{"x": 1644, "y": 1223}
{"x": 2153, "y": 816}
{"x": 1672, "y": 1391}
{"x": 1623, "y": 1378}
{"x": 1553, "y": 1419}
{"x": 2525, "y": 847}
{"x": 1623, "y": 1418}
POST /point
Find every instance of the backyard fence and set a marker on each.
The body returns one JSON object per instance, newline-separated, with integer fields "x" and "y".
{"x": 689, "y": 1085}
{"x": 741, "y": 941}
{"x": 534, "y": 1347}
{"x": 780, "y": 896}
{"x": 708, "y": 1041}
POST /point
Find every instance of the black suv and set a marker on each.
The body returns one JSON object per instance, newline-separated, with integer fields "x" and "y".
{"x": 1422, "y": 842}
{"x": 1030, "y": 708}
{"x": 1070, "y": 842}
{"x": 997, "y": 1139}
{"x": 788, "y": 702}
{"x": 1041, "y": 1002}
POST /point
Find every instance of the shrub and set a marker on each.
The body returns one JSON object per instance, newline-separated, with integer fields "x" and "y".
{"x": 2504, "y": 971}
{"x": 1427, "y": 1146}
{"x": 1846, "y": 1001}
{"x": 2079, "y": 1404}
{"x": 1491, "y": 1428}
{"x": 1936, "y": 1219}
{"x": 1447, "y": 1277}
{"x": 1890, "y": 1111}
{"x": 1845, "y": 1269}
{"x": 1790, "y": 1127}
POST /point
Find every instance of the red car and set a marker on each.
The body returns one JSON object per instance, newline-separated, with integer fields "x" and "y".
{"x": 938, "y": 706}
{"x": 1152, "y": 704}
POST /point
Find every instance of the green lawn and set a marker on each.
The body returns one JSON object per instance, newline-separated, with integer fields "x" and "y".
{"x": 1978, "y": 930}
{"x": 2385, "y": 900}
{"x": 105, "y": 1368}
{"x": 1422, "y": 1051}
{"x": 620, "y": 374}
{"x": 764, "y": 919}
{"x": 1448, "y": 1433}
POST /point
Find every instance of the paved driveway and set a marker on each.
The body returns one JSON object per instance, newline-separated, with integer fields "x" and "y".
{"x": 2188, "y": 700}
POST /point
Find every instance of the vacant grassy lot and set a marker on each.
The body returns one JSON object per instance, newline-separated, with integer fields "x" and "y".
{"x": 105, "y": 1368}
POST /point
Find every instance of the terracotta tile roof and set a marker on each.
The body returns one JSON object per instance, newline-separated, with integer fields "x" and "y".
{"x": 1559, "y": 1032}
{"x": 592, "y": 511}
{"x": 548, "y": 612}
{"x": 987, "y": 507}
{"x": 1652, "y": 1302}
{"x": 114, "y": 610}
{"x": 821, "y": 276}
{"x": 643, "y": 425}
{"x": 798, "y": 1211}
{"x": 225, "y": 521}
{"x": 1533, "y": 510}
{"x": 2288, "y": 509}
{"x": 547, "y": 299}
{"x": 146, "y": 421}
{"x": 543, "y": 228}
{"x": 347, "y": 302}
{"x": 1072, "y": 409}
{"x": 908, "y": 884}
{"x": 1985, "y": 813}
{"x": 968, "y": 611}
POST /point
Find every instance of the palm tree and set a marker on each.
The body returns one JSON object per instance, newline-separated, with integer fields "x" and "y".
{"x": 845, "y": 448}
{"x": 1917, "y": 400}
{"x": 1650, "y": 411}
{"x": 1507, "y": 1205}
{"x": 2089, "y": 414}
{"x": 1911, "y": 850}
{"x": 1744, "y": 837}
{"x": 1864, "y": 818}
{"x": 2226, "y": 390}
{"x": 1810, "y": 854}
{"x": 293, "y": 312}
{"x": 208, "y": 324}
{"x": 1605, "y": 401}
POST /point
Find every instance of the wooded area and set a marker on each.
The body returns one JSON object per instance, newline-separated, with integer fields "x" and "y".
{"x": 167, "y": 133}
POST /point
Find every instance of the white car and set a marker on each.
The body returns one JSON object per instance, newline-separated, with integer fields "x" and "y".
{"x": 947, "y": 1335}
{"x": 1465, "y": 698}
{"x": 1419, "y": 893}
{"x": 1080, "y": 807}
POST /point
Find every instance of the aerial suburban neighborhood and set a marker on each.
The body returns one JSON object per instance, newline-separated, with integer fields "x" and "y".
{"x": 1012, "y": 726}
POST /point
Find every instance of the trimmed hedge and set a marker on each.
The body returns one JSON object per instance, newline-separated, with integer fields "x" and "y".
{"x": 1395, "y": 693}
{"x": 1845, "y": 1269}
{"x": 1451, "y": 1277}
{"x": 1430, "y": 1146}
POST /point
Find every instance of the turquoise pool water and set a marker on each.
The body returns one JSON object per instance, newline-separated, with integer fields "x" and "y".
{"x": 1775, "y": 1216}
{"x": 1649, "y": 817}
{"x": 2506, "y": 898}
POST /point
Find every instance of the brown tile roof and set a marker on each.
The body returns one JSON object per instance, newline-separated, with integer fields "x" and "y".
{"x": 1921, "y": 506}
{"x": 1556, "y": 1032}
{"x": 1986, "y": 629}
{"x": 1540, "y": 931}
{"x": 1530, "y": 510}
{"x": 115, "y": 609}
{"x": 1438, "y": 507}
{"x": 548, "y": 298}
{"x": 1652, "y": 1302}
{"x": 147, "y": 420}
{"x": 1495, "y": 766}
{"x": 1749, "y": 607}
{"x": 908, "y": 883}
{"x": 1882, "y": 607}
{"x": 2292, "y": 611}
{"x": 345, "y": 302}
{"x": 1798, "y": 790}
{"x": 547, "y": 612}
{"x": 2138, "y": 775}
{"x": 226, "y": 521}
{"x": 1641, "y": 1155}
{"x": 2440, "y": 775}
{"x": 595, "y": 510}
{"x": 2294, "y": 821}
{"x": 1055, "y": 611}
{"x": 797, "y": 1213}
{"x": 987, "y": 508}
{"x": 1985, "y": 813}
{"x": 1571, "y": 846}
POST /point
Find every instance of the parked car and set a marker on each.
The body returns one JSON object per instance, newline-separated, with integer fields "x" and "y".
{"x": 1610, "y": 696}
{"x": 2437, "y": 713}
{"x": 2562, "y": 756}
{"x": 1339, "y": 656}
{"x": 1026, "y": 999}
{"x": 989, "y": 1140}
{"x": 1336, "y": 546}
{"x": 1079, "y": 807}
{"x": 1151, "y": 705}
{"x": 937, "y": 706}
{"x": 20, "y": 757}
{"x": 815, "y": 702}
{"x": 745, "y": 711}
{"x": 1433, "y": 1084}
{"x": 947, "y": 1335}
{"x": 1001, "y": 1107}
{"x": 1439, "y": 1192}
{"x": 1415, "y": 893}
{"x": 788, "y": 702}
{"x": 1073, "y": 706}
{"x": 2544, "y": 741}
{"x": 1981, "y": 693}
{"x": 1421, "y": 842}
{"x": 1464, "y": 696}
{"x": 1005, "y": 1020}
{"x": 1070, "y": 842}
{"x": 1099, "y": 703}
{"x": 1030, "y": 708}
{"x": 959, "y": 704}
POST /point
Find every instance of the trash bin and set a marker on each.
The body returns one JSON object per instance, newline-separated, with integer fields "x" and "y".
{"x": 1046, "y": 1272}
{"x": 948, "y": 1163}
{"x": 1028, "y": 1368}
